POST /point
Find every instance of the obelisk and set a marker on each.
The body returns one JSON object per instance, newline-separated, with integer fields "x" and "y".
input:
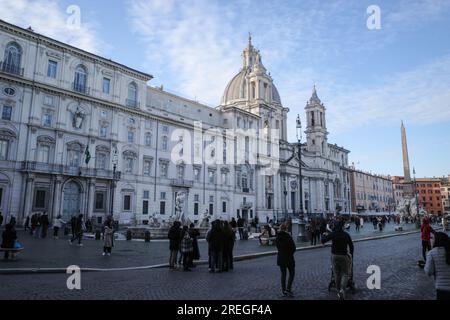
{"x": 406, "y": 171}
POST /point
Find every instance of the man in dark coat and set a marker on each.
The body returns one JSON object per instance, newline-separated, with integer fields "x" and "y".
{"x": 228, "y": 246}
{"x": 342, "y": 255}
{"x": 285, "y": 259}
{"x": 77, "y": 230}
{"x": 215, "y": 241}
{"x": 174, "y": 243}
{"x": 194, "y": 233}
{"x": 44, "y": 225}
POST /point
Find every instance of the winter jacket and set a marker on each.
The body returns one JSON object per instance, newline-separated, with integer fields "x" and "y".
{"x": 215, "y": 239}
{"x": 175, "y": 238}
{"x": 341, "y": 240}
{"x": 437, "y": 267}
{"x": 186, "y": 243}
{"x": 425, "y": 230}
{"x": 109, "y": 237}
{"x": 286, "y": 249}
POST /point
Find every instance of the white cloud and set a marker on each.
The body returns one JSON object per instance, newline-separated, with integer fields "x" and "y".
{"x": 49, "y": 18}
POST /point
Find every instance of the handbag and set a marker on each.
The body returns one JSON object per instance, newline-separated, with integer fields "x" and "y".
{"x": 17, "y": 245}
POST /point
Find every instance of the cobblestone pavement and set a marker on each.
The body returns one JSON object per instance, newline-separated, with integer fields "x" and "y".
{"x": 50, "y": 253}
{"x": 397, "y": 257}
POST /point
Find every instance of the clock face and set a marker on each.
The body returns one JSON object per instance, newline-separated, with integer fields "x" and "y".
{"x": 293, "y": 185}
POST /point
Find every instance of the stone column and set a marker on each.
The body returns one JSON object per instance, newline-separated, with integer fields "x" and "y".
{"x": 90, "y": 198}
{"x": 57, "y": 193}
{"x": 28, "y": 197}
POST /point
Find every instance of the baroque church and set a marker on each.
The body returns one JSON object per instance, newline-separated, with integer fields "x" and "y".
{"x": 83, "y": 134}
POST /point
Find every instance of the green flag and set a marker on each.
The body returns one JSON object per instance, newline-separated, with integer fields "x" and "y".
{"x": 88, "y": 155}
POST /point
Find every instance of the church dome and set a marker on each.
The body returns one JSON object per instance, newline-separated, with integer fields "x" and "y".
{"x": 237, "y": 89}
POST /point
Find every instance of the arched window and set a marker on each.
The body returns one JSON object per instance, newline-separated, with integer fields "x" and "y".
{"x": 12, "y": 59}
{"x": 132, "y": 95}
{"x": 80, "y": 81}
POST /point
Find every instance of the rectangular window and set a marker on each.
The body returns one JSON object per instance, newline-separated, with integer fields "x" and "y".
{"x": 129, "y": 165}
{"x": 211, "y": 198}
{"x": 101, "y": 161}
{"x": 162, "y": 207}
{"x": 100, "y": 201}
{"x": 196, "y": 208}
{"x": 145, "y": 207}
{"x": 126, "y": 203}
{"x": 224, "y": 207}
{"x": 51, "y": 70}
{"x": 49, "y": 101}
{"x": 211, "y": 208}
{"x": 47, "y": 120}
{"x": 40, "y": 199}
{"x": 163, "y": 170}
{"x": 163, "y": 196}
{"x": 165, "y": 129}
{"x": 44, "y": 154}
{"x": 130, "y": 137}
{"x": 7, "y": 113}
{"x": 148, "y": 124}
{"x": 103, "y": 131}
{"x": 147, "y": 167}
{"x": 146, "y": 194}
{"x": 3, "y": 149}
{"x": 106, "y": 85}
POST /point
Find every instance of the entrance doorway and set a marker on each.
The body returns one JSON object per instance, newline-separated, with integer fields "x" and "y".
{"x": 72, "y": 199}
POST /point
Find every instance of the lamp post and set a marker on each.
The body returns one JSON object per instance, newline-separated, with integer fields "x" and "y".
{"x": 115, "y": 160}
{"x": 302, "y": 233}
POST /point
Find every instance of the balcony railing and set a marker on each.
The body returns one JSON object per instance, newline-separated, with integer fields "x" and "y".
{"x": 132, "y": 103}
{"x": 182, "y": 183}
{"x": 246, "y": 205}
{"x": 11, "y": 68}
{"x": 41, "y": 167}
{"x": 80, "y": 88}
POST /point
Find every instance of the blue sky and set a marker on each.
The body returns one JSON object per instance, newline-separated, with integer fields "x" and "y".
{"x": 369, "y": 80}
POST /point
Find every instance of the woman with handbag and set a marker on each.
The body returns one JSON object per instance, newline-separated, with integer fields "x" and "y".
{"x": 9, "y": 238}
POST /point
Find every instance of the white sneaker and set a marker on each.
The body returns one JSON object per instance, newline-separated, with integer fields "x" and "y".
{"x": 80, "y": 244}
{"x": 108, "y": 254}
{"x": 341, "y": 295}
{"x": 103, "y": 254}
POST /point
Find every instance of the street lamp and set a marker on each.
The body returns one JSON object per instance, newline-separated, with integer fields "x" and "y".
{"x": 115, "y": 160}
{"x": 417, "y": 200}
{"x": 302, "y": 234}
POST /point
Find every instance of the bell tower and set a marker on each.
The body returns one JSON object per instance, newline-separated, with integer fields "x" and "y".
{"x": 316, "y": 127}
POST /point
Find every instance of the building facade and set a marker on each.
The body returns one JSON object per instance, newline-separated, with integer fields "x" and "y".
{"x": 429, "y": 195}
{"x": 83, "y": 134}
{"x": 371, "y": 192}
{"x": 445, "y": 194}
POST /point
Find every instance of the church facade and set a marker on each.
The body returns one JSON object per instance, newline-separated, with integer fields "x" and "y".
{"x": 83, "y": 134}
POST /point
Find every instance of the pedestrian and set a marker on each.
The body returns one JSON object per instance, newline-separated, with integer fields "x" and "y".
{"x": 73, "y": 225}
{"x": 78, "y": 230}
{"x": 194, "y": 233}
{"x": 1, "y": 219}
{"x": 108, "y": 238}
{"x": 27, "y": 223}
{"x": 228, "y": 246}
{"x": 240, "y": 224}
{"x": 44, "y": 224}
{"x": 361, "y": 222}
{"x": 425, "y": 235}
{"x": 9, "y": 237}
{"x": 313, "y": 231}
{"x": 186, "y": 248}
{"x": 37, "y": 231}
{"x": 285, "y": 259}
{"x": 374, "y": 222}
{"x": 215, "y": 242}
{"x": 12, "y": 221}
{"x": 174, "y": 243}
{"x": 357, "y": 224}
{"x": 438, "y": 265}
{"x": 341, "y": 257}
{"x": 233, "y": 224}
{"x": 57, "y": 224}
